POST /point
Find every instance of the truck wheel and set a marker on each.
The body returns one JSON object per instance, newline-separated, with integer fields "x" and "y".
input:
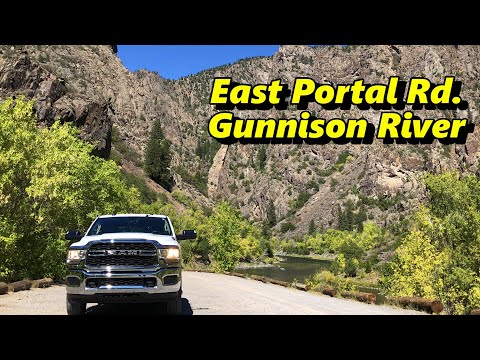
{"x": 75, "y": 308}
{"x": 174, "y": 307}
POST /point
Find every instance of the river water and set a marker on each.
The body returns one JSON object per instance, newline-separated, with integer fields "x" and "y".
{"x": 292, "y": 268}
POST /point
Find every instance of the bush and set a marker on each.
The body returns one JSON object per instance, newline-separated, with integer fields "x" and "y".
{"x": 326, "y": 278}
{"x": 302, "y": 199}
{"x": 286, "y": 226}
{"x": 232, "y": 238}
{"x": 439, "y": 257}
{"x": 351, "y": 267}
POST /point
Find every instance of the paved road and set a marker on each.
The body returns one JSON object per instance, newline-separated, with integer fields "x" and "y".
{"x": 205, "y": 293}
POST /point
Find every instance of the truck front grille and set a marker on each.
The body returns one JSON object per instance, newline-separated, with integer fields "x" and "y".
{"x": 136, "y": 254}
{"x": 120, "y": 282}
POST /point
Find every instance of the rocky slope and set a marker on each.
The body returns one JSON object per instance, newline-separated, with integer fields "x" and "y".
{"x": 90, "y": 86}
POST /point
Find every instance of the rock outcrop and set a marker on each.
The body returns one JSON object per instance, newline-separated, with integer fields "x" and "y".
{"x": 20, "y": 75}
{"x": 88, "y": 85}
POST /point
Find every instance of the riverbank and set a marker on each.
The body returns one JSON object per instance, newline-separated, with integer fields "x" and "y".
{"x": 325, "y": 257}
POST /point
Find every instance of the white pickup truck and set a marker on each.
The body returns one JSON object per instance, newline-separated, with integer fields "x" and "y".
{"x": 125, "y": 258}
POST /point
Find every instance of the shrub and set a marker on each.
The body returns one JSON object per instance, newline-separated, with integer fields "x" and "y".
{"x": 286, "y": 226}
{"x": 439, "y": 257}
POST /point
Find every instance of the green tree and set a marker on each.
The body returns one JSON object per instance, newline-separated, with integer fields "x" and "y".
{"x": 271, "y": 215}
{"x": 158, "y": 157}
{"x": 346, "y": 218}
{"x": 312, "y": 228}
{"x": 261, "y": 157}
{"x": 49, "y": 183}
{"x": 440, "y": 256}
{"x": 287, "y": 226}
{"x": 225, "y": 241}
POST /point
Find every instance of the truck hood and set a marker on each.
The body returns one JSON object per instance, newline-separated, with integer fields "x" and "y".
{"x": 161, "y": 239}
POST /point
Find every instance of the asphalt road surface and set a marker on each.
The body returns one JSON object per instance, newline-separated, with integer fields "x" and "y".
{"x": 205, "y": 293}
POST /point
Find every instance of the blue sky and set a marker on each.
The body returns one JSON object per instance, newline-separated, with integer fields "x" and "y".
{"x": 174, "y": 61}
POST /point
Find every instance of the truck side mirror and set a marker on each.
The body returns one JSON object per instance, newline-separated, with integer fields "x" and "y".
{"x": 187, "y": 235}
{"x": 72, "y": 235}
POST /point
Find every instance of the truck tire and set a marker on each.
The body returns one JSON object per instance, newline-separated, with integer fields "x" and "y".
{"x": 75, "y": 308}
{"x": 174, "y": 307}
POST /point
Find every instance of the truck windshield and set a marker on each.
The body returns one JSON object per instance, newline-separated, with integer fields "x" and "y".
{"x": 124, "y": 224}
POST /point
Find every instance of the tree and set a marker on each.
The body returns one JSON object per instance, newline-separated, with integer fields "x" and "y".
{"x": 312, "y": 228}
{"x": 225, "y": 241}
{"x": 158, "y": 157}
{"x": 346, "y": 217}
{"x": 262, "y": 157}
{"x": 440, "y": 256}
{"x": 49, "y": 183}
{"x": 271, "y": 215}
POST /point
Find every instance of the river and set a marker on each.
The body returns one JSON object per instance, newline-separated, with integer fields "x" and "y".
{"x": 292, "y": 268}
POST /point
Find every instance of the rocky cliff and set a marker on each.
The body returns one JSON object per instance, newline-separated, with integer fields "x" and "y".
{"x": 89, "y": 86}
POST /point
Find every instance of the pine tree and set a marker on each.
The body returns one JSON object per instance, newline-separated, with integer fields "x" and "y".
{"x": 262, "y": 157}
{"x": 158, "y": 157}
{"x": 271, "y": 216}
{"x": 312, "y": 228}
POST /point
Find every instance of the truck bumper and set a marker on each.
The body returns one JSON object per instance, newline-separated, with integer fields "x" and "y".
{"x": 104, "y": 287}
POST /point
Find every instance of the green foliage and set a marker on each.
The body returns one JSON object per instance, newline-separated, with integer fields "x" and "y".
{"x": 342, "y": 159}
{"x": 417, "y": 269}
{"x": 439, "y": 257}
{"x": 206, "y": 149}
{"x": 261, "y": 157}
{"x": 351, "y": 249}
{"x": 49, "y": 183}
{"x": 370, "y": 237}
{"x": 312, "y": 228}
{"x": 232, "y": 238}
{"x": 351, "y": 267}
{"x": 158, "y": 157}
{"x": 326, "y": 278}
{"x": 351, "y": 219}
{"x": 302, "y": 199}
{"x": 294, "y": 247}
{"x": 147, "y": 195}
{"x": 312, "y": 184}
{"x": 383, "y": 203}
{"x": 333, "y": 184}
{"x": 196, "y": 179}
{"x": 271, "y": 215}
{"x": 286, "y": 226}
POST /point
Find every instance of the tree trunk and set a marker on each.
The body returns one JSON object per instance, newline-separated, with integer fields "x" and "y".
{"x": 303, "y": 287}
{"x": 42, "y": 283}
{"x": 368, "y": 298}
{"x": 278, "y": 282}
{"x": 473, "y": 312}
{"x": 3, "y": 288}
{"x": 428, "y": 305}
{"x": 326, "y": 291}
{"x": 20, "y": 285}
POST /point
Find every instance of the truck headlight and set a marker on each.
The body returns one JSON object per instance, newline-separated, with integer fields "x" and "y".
{"x": 170, "y": 254}
{"x": 75, "y": 256}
